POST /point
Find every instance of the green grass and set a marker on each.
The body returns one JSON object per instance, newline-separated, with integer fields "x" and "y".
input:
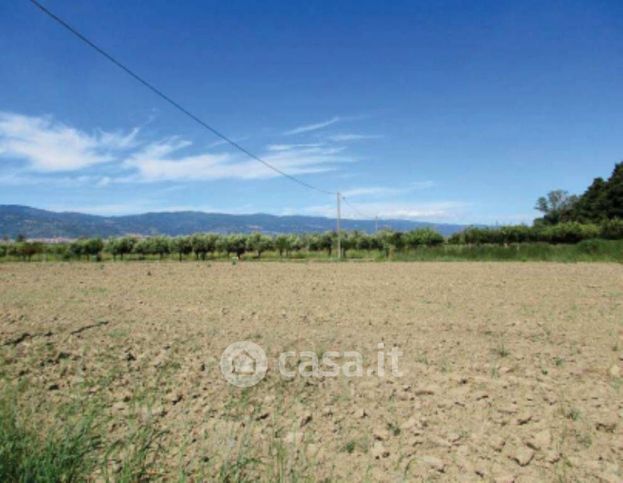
{"x": 67, "y": 451}
{"x": 68, "y": 443}
{"x": 587, "y": 251}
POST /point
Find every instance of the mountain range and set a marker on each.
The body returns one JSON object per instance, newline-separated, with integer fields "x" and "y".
{"x": 35, "y": 223}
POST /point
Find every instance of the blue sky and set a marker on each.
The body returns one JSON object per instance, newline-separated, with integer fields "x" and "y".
{"x": 447, "y": 111}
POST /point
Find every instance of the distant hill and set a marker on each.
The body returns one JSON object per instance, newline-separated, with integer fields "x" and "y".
{"x": 36, "y": 223}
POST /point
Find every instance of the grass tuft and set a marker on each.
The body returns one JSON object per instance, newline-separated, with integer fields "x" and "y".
{"x": 66, "y": 452}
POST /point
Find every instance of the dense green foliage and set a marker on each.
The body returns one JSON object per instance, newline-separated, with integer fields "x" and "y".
{"x": 603, "y": 200}
{"x": 566, "y": 232}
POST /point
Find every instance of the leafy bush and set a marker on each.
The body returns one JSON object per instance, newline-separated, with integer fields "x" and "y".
{"x": 612, "y": 229}
{"x": 570, "y": 232}
{"x": 591, "y": 246}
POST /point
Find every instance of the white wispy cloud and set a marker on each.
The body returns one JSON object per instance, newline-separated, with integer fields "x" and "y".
{"x": 21, "y": 179}
{"x": 386, "y": 190}
{"x": 313, "y": 127}
{"x": 371, "y": 191}
{"x": 437, "y": 211}
{"x": 290, "y": 147}
{"x": 159, "y": 162}
{"x": 348, "y": 137}
{"x": 50, "y": 146}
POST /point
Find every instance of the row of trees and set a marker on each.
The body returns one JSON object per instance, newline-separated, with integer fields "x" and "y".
{"x": 204, "y": 245}
{"x": 207, "y": 245}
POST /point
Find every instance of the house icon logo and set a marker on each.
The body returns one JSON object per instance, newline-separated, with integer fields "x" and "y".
{"x": 243, "y": 364}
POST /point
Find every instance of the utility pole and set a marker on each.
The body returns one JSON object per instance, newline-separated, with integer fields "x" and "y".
{"x": 339, "y": 235}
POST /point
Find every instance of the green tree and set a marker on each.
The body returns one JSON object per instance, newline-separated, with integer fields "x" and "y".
{"x": 120, "y": 247}
{"x": 282, "y": 244}
{"x": 160, "y": 246}
{"x": 236, "y": 244}
{"x": 389, "y": 240}
{"x": 295, "y": 242}
{"x": 349, "y": 241}
{"x": 556, "y": 206}
{"x": 77, "y": 249}
{"x": 199, "y": 246}
{"x": 92, "y": 247}
{"x": 182, "y": 245}
{"x": 603, "y": 200}
{"x": 26, "y": 250}
{"x": 143, "y": 247}
{"x": 422, "y": 237}
{"x": 204, "y": 244}
{"x": 259, "y": 243}
{"x": 323, "y": 241}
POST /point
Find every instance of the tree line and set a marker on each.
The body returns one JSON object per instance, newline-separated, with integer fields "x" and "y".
{"x": 207, "y": 245}
{"x": 202, "y": 246}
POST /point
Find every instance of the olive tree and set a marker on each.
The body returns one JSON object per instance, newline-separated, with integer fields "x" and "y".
{"x": 182, "y": 245}
{"x": 204, "y": 244}
{"x": 422, "y": 237}
{"x": 237, "y": 244}
{"x": 259, "y": 243}
{"x": 26, "y": 250}
{"x": 322, "y": 241}
{"x": 143, "y": 247}
{"x": 160, "y": 246}
{"x": 92, "y": 247}
{"x": 295, "y": 242}
{"x": 282, "y": 244}
{"x": 77, "y": 249}
{"x": 386, "y": 239}
{"x": 119, "y": 247}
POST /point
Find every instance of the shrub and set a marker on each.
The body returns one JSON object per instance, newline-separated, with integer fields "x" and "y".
{"x": 612, "y": 229}
{"x": 591, "y": 247}
{"x": 571, "y": 232}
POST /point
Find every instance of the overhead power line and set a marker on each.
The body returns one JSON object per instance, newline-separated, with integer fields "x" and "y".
{"x": 175, "y": 104}
{"x": 356, "y": 210}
